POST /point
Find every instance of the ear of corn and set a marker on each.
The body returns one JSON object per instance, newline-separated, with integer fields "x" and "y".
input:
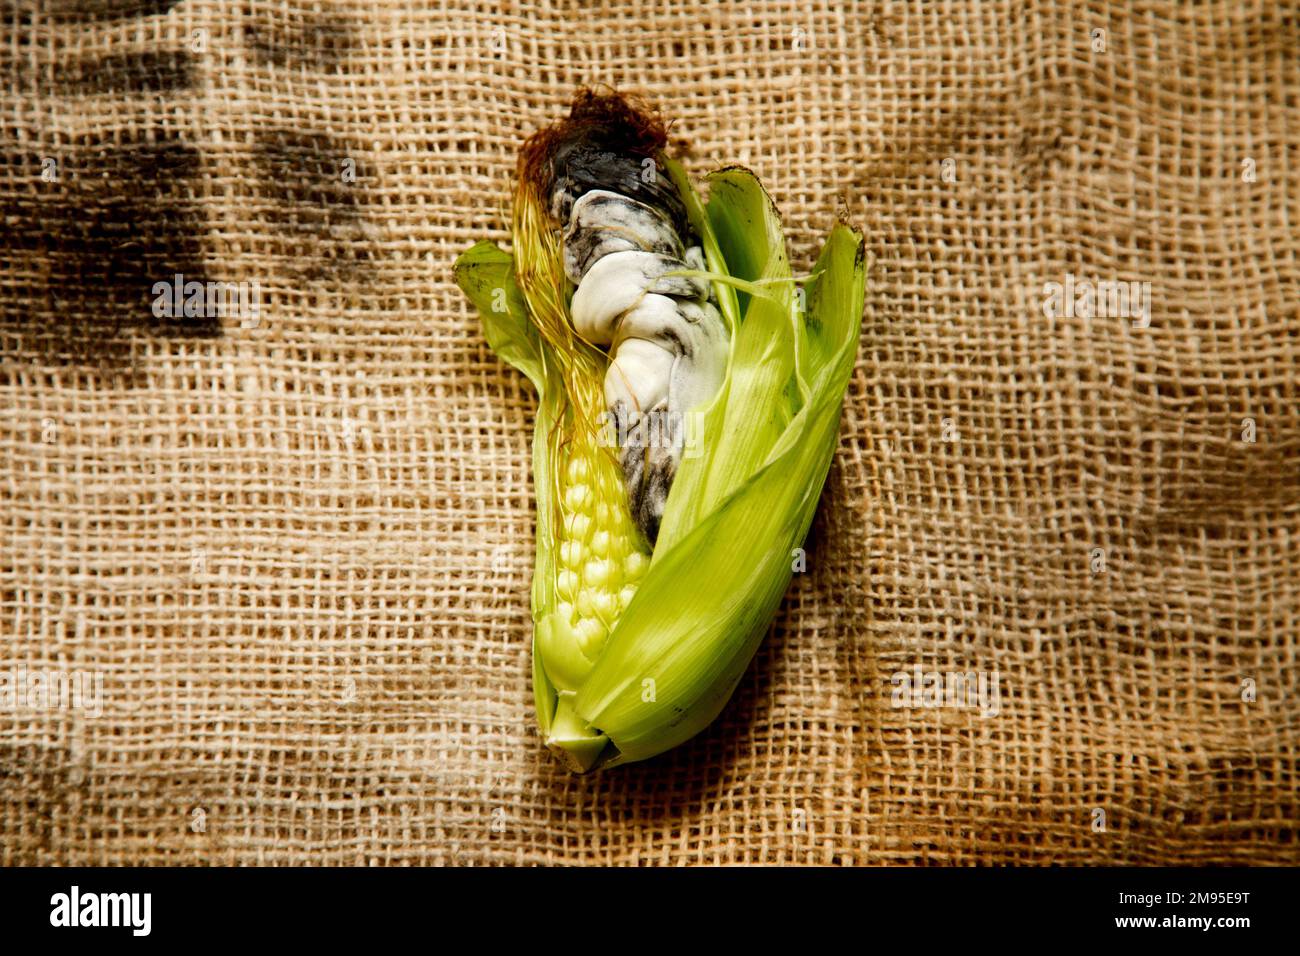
{"x": 635, "y": 652}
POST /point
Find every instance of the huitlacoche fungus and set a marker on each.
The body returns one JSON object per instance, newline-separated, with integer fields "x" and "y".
{"x": 666, "y": 340}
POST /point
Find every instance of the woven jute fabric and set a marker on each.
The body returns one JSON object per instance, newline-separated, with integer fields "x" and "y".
{"x": 293, "y": 551}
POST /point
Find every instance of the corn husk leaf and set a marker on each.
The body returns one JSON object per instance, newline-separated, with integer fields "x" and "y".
{"x": 760, "y": 395}
{"x": 486, "y": 274}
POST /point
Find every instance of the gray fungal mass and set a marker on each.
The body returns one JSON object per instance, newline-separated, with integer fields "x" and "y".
{"x": 625, "y": 231}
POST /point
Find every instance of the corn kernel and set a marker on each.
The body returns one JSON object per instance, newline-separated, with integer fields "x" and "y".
{"x": 571, "y": 554}
{"x": 577, "y": 525}
{"x": 619, "y": 547}
{"x": 625, "y": 597}
{"x": 565, "y": 610}
{"x": 597, "y": 574}
{"x": 605, "y": 606}
{"x": 578, "y": 498}
{"x": 591, "y": 636}
{"x": 634, "y": 565}
{"x": 579, "y": 469}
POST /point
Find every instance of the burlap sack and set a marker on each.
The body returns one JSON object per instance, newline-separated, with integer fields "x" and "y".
{"x": 293, "y": 549}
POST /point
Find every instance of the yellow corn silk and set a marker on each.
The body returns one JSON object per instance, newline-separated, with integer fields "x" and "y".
{"x": 636, "y": 650}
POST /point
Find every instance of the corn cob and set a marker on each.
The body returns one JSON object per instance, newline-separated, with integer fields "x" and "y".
{"x": 688, "y": 408}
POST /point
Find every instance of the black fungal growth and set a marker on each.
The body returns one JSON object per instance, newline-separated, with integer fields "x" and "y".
{"x": 607, "y": 142}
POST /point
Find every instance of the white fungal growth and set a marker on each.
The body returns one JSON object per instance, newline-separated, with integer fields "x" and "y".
{"x": 602, "y": 222}
{"x": 667, "y": 342}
